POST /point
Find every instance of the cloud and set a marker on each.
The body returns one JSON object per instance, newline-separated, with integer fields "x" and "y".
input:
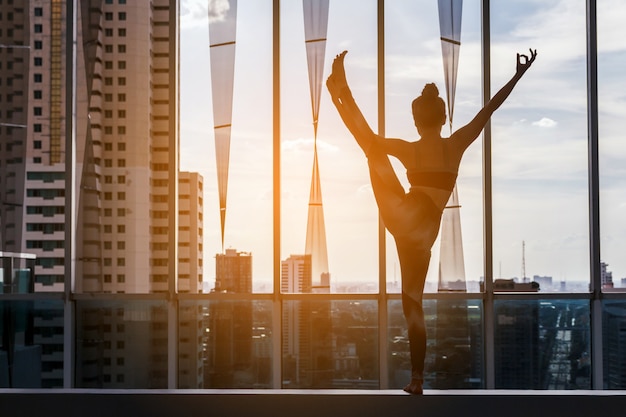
{"x": 545, "y": 122}
{"x": 218, "y": 10}
{"x": 193, "y": 13}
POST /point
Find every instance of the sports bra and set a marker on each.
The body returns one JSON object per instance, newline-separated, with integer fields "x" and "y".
{"x": 435, "y": 179}
{"x": 443, "y": 180}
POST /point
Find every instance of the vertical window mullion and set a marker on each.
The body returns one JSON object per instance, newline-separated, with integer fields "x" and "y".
{"x": 594, "y": 197}
{"x": 488, "y": 303}
{"x": 277, "y": 298}
{"x": 70, "y": 207}
{"x": 382, "y": 261}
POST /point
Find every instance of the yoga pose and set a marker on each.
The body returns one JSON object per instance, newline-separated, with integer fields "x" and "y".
{"x": 432, "y": 164}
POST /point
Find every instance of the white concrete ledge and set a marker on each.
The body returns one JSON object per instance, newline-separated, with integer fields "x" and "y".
{"x": 310, "y": 403}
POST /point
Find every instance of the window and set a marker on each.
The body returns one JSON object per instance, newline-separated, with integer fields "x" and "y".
{"x": 121, "y": 32}
{"x": 37, "y": 94}
{"x": 108, "y": 49}
{"x": 551, "y": 333}
{"x": 121, "y": 65}
{"x": 38, "y": 44}
{"x": 38, "y": 28}
{"x": 38, "y": 11}
{"x": 121, "y": 48}
{"x": 108, "y": 32}
{"x": 121, "y": 81}
{"x": 37, "y": 78}
{"x": 37, "y": 111}
{"x": 108, "y": 16}
{"x": 121, "y": 15}
{"x": 121, "y": 163}
{"x": 108, "y": 65}
{"x": 37, "y": 127}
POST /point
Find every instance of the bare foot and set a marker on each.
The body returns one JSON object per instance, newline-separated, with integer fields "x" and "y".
{"x": 336, "y": 82}
{"x": 414, "y": 387}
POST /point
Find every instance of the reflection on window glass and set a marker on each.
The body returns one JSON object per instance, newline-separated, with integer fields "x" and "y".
{"x": 31, "y": 344}
{"x": 121, "y": 344}
{"x": 614, "y": 344}
{"x": 542, "y": 344}
{"x": 454, "y": 357}
{"x": 330, "y": 344}
{"x": 225, "y": 344}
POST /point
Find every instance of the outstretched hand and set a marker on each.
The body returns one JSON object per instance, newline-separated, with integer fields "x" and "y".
{"x": 337, "y": 78}
{"x": 524, "y": 62}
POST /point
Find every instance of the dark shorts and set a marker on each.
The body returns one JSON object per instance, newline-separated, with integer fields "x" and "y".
{"x": 414, "y": 220}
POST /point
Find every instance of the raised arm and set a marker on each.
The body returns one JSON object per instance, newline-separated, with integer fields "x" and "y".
{"x": 347, "y": 107}
{"x": 468, "y": 133}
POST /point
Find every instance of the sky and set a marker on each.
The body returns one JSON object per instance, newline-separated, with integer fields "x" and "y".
{"x": 539, "y": 136}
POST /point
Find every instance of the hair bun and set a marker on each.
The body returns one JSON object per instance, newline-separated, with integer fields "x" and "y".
{"x": 430, "y": 91}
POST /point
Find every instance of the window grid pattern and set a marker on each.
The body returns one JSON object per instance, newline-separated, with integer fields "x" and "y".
{"x": 488, "y": 299}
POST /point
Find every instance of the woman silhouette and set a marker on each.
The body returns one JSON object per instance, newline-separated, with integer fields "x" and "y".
{"x": 432, "y": 164}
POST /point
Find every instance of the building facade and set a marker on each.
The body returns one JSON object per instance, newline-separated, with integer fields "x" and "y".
{"x": 126, "y": 92}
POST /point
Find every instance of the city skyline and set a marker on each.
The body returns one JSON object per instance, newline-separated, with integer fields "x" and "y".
{"x": 131, "y": 314}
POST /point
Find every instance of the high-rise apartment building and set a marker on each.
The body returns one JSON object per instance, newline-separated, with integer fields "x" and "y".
{"x": 190, "y": 232}
{"x": 306, "y": 329}
{"x": 126, "y": 118}
{"x": 126, "y": 141}
{"x": 229, "y": 347}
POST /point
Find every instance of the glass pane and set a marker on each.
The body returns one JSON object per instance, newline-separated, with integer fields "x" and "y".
{"x": 32, "y": 172}
{"x": 17, "y": 273}
{"x": 330, "y": 344}
{"x": 248, "y": 215}
{"x": 31, "y": 344}
{"x": 540, "y": 198}
{"x": 121, "y": 344}
{"x": 454, "y": 354}
{"x": 347, "y": 215}
{"x": 611, "y": 58}
{"x": 225, "y": 344}
{"x": 542, "y": 344}
{"x": 614, "y": 344}
{"x": 413, "y": 58}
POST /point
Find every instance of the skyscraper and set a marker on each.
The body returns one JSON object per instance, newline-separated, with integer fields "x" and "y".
{"x": 230, "y": 323}
{"x": 306, "y": 329}
{"x": 126, "y": 141}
